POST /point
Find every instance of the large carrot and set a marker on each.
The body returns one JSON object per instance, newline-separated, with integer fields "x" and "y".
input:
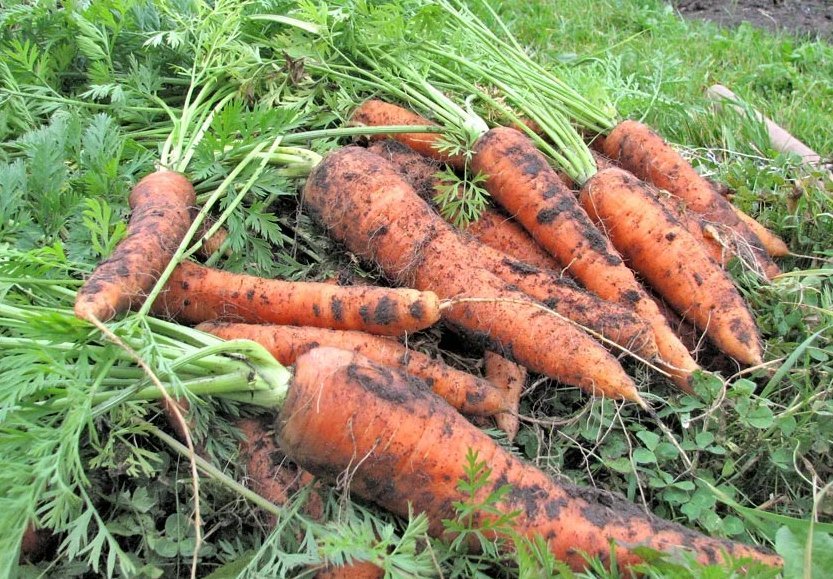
{"x": 195, "y": 293}
{"x": 160, "y": 219}
{"x": 492, "y": 228}
{"x": 616, "y": 323}
{"x": 520, "y": 179}
{"x": 375, "y": 113}
{"x": 380, "y": 217}
{"x": 672, "y": 261}
{"x": 645, "y": 154}
{"x": 404, "y": 448}
{"x": 467, "y": 393}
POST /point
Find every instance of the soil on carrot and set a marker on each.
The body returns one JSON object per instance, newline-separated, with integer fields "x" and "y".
{"x": 812, "y": 18}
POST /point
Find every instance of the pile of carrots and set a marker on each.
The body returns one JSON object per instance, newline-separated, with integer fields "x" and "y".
{"x": 552, "y": 282}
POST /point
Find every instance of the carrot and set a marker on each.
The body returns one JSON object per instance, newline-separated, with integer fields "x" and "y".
{"x": 355, "y": 570}
{"x": 212, "y": 244}
{"x": 379, "y": 217}
{"x": 159, "y": 221}
{"x": 703, "y": 232}
{"x": 613, "y": 321}
{"x": 404, "y": 448}
{"x": 520, "y": 179}
{"x": 511, "y": 377}
{"x": 467, "y": 393}
{"x": 672, "y": 261}
{"x": 492, "y": 228}
{"x": 773, "y": 244}
{"x": 375, "y": 113}
{"x": 196, "y": 293}
{"x": 645, "y": 154}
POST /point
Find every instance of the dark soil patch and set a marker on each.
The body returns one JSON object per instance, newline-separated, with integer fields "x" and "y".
{"x": 813, "y": 18}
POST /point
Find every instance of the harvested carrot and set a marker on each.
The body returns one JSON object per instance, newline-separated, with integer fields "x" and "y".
{"x": 375, "y": 113}
{"x": 773, "y": 244}
{"x": 195, "y": 293}
{"x": 355, "y": 570}
{"x": 413, "y": 448}
{"x": 614, "y": 322}
{"x": 511, "y": 377}
{"x": 705, "y": 233}
{"x": 520, "y": 179}
{"x": 645, "y": 154}
{"x": 467, "y": 393}
{"x": 213, "y": 244}
{"x": 159, "y": 221}
{"x": 672, "y": 261}
{"x": 380, "y": 218}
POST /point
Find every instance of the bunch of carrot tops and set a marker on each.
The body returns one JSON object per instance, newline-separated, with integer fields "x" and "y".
{"x": 492, "y": 197}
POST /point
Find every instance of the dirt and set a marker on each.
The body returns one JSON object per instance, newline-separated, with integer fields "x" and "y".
{"x": 806, "y": 18}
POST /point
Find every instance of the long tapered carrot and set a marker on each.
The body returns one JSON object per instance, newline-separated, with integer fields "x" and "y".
{"x": 492, "y": 228}
{"x": 160, "y": 219}
{"x": 380, "y": 218}
{"x": 672, "y": 261}
{"x": 376, "y": 113}
{"x": 467, "y": 393}
{"x": 616, "y": 323}
{"x": 195, "y": 293}
{"x": 645, "y": 154}
{"x": 520, "y": 179}
{"x": 403, "y": 448}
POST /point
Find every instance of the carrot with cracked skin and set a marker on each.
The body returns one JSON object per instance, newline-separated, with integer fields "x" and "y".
{"x": 160, "y": 218}
{"x": 382, "y": 219}
{"x": 492, "y": 228}
{"x": 467, "y": 393}
{"x": 644, "y": 153}
{"x": 615, "y": 322}
{"x": 511, "y": 377}
{"x": 404, "y": 448}
{"x": 376, "y": 113}
{"x": 672, "y": 261}
{"x": 195, "y": 293}
{"x": 520, "y": 178}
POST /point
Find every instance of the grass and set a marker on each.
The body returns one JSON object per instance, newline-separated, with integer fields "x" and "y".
{"x": 749, "y": 459}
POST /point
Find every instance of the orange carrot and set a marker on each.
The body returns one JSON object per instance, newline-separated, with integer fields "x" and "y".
{"x": 467, "y": 393}
{"x": 404, "y": 449}
{"x": 196, "y": 293}
{"x": 355, "y": 570}
{"x": 773, "y": 244}
{"x": 212, "y": 244}
{"x": 380, "y": 218}
{"x": 375, "y": 113}
{"x": 672, "y": 261}
{"x": 645, "y": 154}
{"x": 520, "y": 179}
{"x": 614, "y": 322}
{"x": 511, "y": 377}
{"x": 160, "y": 203}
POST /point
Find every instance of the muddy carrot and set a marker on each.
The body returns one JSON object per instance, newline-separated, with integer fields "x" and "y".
{"x": 196, "y": 293}
{"x": 413, "y": 450}
{"x": 672, "y": 261}
{"x": 160, "y": 219}
{"x": 511, "y": 377}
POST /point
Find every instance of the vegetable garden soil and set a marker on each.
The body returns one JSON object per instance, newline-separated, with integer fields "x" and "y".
{"x": 803, "y": 17}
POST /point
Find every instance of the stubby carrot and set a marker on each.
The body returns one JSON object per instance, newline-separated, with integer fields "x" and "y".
{"x": 616, "y": 323}
{"x": 404, "y": 449}
{"x": 376, "y": 113}
{"x": 672, "y": 261}
{"x": 520, "y": 179}
{"x": 467, "y": 393}
{"x": 160, "y": 219}
{"x": 195, "y": 293}
{"x": 645, "y": 154}
{"x": 511, "y": 377}
{"x": 380, "y": 218}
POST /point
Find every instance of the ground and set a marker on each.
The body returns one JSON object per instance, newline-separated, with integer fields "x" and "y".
{"x": 812, "y": 18}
